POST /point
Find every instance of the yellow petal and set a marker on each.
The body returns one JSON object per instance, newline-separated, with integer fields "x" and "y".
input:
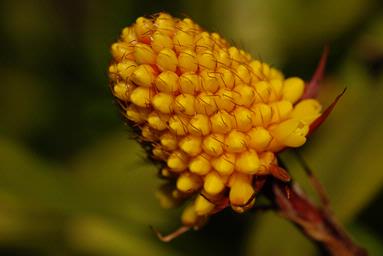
{"x": 200, "y": 165}
{"x": 167, "y": 60}
{"x": 224, "y": 164}
{"x": 191, "y": 145}
{"x": 241, "y": 189}
{"x": 143, "y": 75}
{"x": 213, "y": 184}
{"x": 259, "y": 138}
{"x": 293, "y": 89}
{"x": 247, "y": 162}
{"x": 203, "y": 206}
{"x": 177, "y": 161}
{"x": 188, "y": 182}
{"x": 307, "y": 110}
{"x": 291, "y": 132}
{"x": 189, "y": 216}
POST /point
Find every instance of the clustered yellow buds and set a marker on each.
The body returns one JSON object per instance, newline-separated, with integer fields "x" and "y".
{"x": 213, "y": 116}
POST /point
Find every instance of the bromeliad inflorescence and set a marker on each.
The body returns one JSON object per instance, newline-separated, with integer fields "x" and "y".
{"x": 213, "y": 117}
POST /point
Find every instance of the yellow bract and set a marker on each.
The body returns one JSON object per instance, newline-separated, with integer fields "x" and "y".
{"x": 188, "y": 182}
{"x": 241, "y": 190}
{"x": 214, "y": 184}
{"x": 200, "y": 165}
{"x": 224, "y": 164}
{"x": 191, "y": 145}
{"x": 142, "y": 75}
{"x": 212, "y": 116}
{"x": 203, "y": 206}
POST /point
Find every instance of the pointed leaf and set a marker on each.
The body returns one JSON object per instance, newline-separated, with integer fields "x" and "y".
{"x": 311, "y": 90}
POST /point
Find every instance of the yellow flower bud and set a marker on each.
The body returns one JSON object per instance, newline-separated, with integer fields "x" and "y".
{"x": 293, "y": 89}
{"x": 281, "y": 110}
{"x": 188, "y": 182}
{"x": 210, "y": 80}
{"x": 178, "y": 125}
{"x": 223, "y": 60}
{"x": 259, "y": 138}
{"x": 307, "y": 110}
{"x": 247, "y": 162}
{"x": 244, "y": 95}
{"x": 213, "y": 184}
{"x": 203, "y": 42}
{"x": 191, "y": 145}
{"x": 148, "y": 134}
{"x": 163, "y": 102}
{"x": 143, "y": 76}
{"x": 199, "y": 125}
{"x": 226, "y": 78}
{"x": 140, "y": 96}
{"x": 221, "y": 122}
{"x": 276, "y": 90}
{"x": 122, "y": 90}
{"x": 206, "y": 60}
{"x": 243, "y": 119}
{"x": 159, "y": 153}
{"x": 291, "y": 132}
{"x": 133, "y": 113}
{"x": 225, "y": 100}
{"x": 143, "y": 28}
{"x": 213, "y": 144}
{"x": 266, "y": 159}
{"x": 167, "y": 60}
{"x": 262, "y": 114}
{"x": 177, "y": 161}
{"x": 236, "y": 142}
{"x": 188, "y": 61}
{"x": 126, "y": 68}
{"x": 263, "y": 91}
{"x": 184, "y": 104}
{"x": 200, "y": 165}
{"x": 182, "y": 41}
{"x": 235, "y": 56}
{"x": 224, "y": 164}
{"x": 165, "y": 24}
{"x": 128, "y": 35}
{"x": 203, "y": 206}
{"x": 157, "y": 120}
{"x": 161, "y": 41}
{"x": 206, "y": 103}
{"x": 122, "y": 50}
{"x": 211, "y": 116}
{"x": 241, "y": 189}
{"x": 190, "y": 83}
{"x": 189, "y": 216}
{"x": 144, "y": 54}
{"x": 167, "y": 82}
{"x": 169, "y": 141}
{"x": 243, "y": 75}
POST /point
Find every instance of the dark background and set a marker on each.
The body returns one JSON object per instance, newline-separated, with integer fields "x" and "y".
{"x": 72, "y": 182}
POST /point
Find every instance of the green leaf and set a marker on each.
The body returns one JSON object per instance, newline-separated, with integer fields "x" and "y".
{"x": 103, "y": 210}
{"x": 365, "y": 237}
{"x": 273, "y": 235}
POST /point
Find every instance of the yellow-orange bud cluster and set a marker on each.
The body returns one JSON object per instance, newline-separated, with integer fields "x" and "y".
{"x": 214, "y": 116}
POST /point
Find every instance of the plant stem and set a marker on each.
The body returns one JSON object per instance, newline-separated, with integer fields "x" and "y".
{"x": 317, "y": 223}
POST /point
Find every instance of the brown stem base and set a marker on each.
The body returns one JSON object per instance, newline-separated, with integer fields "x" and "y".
{"x": 317, "y": 223}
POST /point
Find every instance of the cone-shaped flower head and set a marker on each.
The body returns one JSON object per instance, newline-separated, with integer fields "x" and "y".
{"x": 212, "y": 115}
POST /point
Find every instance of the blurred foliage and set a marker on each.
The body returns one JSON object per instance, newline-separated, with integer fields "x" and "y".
{"x": 72, "y": 182}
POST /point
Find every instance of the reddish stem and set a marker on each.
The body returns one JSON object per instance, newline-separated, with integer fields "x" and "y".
{"x": 317, "y": 223}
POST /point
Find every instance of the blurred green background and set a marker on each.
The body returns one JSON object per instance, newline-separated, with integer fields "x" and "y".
{"x": 72, "y": 182}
